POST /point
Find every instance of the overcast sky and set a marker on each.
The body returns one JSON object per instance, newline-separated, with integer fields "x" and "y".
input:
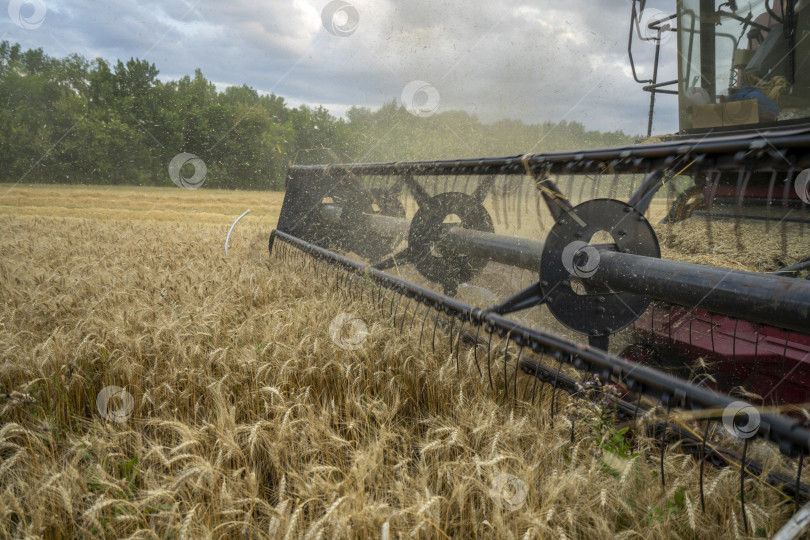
{"x": 531, "y": 60}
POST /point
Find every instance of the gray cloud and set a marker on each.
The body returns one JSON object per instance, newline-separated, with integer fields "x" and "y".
{"x": 531, "y": 60}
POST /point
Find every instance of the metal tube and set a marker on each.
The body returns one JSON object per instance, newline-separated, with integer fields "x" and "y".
{"x": 520, "y": 252}
{"x": 777, "y": 301}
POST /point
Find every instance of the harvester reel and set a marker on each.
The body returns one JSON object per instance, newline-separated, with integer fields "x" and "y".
{"x": 570, "y": 264}
{"x": 428, "y": 229}
{"x": 598, "y": 270}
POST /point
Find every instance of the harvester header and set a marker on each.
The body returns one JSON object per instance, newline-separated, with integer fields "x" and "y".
{"x": 677, "y": 270}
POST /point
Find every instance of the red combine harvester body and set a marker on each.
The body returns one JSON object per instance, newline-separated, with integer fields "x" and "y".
{"x": 742, "y": 68}
{"x": 772, "y": 363}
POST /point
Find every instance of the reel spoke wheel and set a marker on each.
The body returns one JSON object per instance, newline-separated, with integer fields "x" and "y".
{"x": 569, "y": 262}
{"x": 428, "y": 229}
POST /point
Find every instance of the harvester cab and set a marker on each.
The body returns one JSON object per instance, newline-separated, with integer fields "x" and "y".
{"x": 743, "y": 69}
{"x": 648, "y": 265}
{"x": 741, "y": 65}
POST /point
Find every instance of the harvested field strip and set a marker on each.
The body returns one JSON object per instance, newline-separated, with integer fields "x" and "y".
{"x": 168, "y": 204}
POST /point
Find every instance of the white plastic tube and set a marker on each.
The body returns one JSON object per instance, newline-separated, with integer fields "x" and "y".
{"x": 797, "y": 525}
{"x": 228, "y": 239}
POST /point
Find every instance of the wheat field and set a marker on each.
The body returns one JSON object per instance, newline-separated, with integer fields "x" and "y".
{"x": 247, "y": 419}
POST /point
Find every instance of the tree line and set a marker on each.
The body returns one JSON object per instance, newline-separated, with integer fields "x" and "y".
{"x": 72, "y": 120}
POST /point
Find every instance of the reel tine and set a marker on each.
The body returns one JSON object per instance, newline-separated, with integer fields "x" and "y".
{"x": 784, "y": 357}
{"x": 381, "y": 301}
{"x": 613, "y": 186}
{"x": 396, "y": 310}
{"x": 798, "y": 481}
{"x": 785, "y": 204}
{"x": 742, "y": 485}
{"x": 337, "y": 276}
{"x": 573, "y": 422}
{"x": 517, "y": 364}
{"x": 534, "y": 382}
{"x": 527, "y": 195}
{"x": 458, "y": 347}
{"x": 504, "y": 197}
{"x": 595, "y": 186}
{"x": 570, "y": 191}
{"x": 350, "y": 288}
{"x": 538, "y": 202}
{"x": 475, "y": 350}
{"x": 384, "y": 301}
{"x": 577, "y": 398}
{"x": 359, "y": 287}
{"x": 404, "y": 314}
{"x": 554, "y": 387}
{"x": 505, "y": 378}
{"x": 373, "y": 292}
{"x": 496, "y": 210}
{"x": 709, "y": 206}
{"x": 742, "y": 185}
{"x": 633, "y": 184}
{"x": 638, "y": 404}
{"x": 415, "y": 310}
{"x": 702, "y": 464}
{"x": 768, "y": 202}
{"x": 756, "y": 348}
{"x": 435, "y": 324}
{"x": 424, "y": 319}
{"x": 582, "y": 189}
{"x": 734, "y": 341}
{"x": 452, "y": 327}
{"x": 489, "y": 360}
{"x": 483, "y": 188}
{"x": 664, "y": 443}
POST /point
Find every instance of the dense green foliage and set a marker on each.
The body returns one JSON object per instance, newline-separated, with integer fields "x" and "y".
{"x": 70, "y": 120}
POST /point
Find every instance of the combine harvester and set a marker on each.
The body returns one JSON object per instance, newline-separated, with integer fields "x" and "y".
{"x": 559, "y": 255}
